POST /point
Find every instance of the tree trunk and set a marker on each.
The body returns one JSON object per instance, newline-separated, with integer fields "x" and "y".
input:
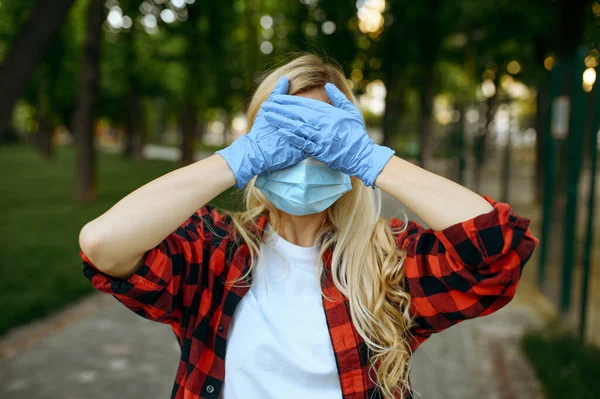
{"x": 430, "y": 39}
{"x": 461, "y": 156}
{"x": 160, "y": 129}
{"x": 83, "y": 123}
{"x": 188, "y": 131}
{"x": 43, "y": 137}
{"x": 134, "y": 129}
{"x": 129, "y": 125}
{"x": 481, "y": 140}
{"x": 390, "y": 119}
{"x": 27, "y": 51}
{"x": 228, "y": 131}
{"x": 426, "y": 123}
{"x": 142, "y": 135}
{"x": 134, "y": 123}
{"x": 505, "y": 175}
{"x": 252, "y": 50}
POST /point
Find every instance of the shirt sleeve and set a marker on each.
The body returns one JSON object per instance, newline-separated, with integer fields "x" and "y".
{"x": 170, "y": 276}
{"x": 467, "y": 270}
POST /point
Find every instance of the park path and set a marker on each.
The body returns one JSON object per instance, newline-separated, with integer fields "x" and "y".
{"x": 155, "y": 151}
{"x": 97, "y": 349}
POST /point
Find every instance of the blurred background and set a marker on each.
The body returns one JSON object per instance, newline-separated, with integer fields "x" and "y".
{"x": 98, "y": 97}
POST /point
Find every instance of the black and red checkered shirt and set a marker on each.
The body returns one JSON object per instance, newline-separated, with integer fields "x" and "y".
{"x": 467, "y": 270}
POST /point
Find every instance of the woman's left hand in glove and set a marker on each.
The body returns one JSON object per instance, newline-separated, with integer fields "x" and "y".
{"x": 333, "y": 134}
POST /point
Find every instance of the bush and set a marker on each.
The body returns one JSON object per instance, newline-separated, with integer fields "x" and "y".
{"x": 566, "y": 367}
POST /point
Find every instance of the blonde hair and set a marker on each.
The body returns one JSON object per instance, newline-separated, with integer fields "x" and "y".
{"x": 366, "y": 263}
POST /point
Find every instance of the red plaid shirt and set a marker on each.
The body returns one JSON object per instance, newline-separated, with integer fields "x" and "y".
{"x": 467, "y": 270}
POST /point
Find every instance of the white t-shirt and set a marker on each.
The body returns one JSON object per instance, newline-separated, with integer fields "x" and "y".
{"x": 278, "y": 344}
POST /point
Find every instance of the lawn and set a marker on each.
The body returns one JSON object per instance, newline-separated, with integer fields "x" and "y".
{"x": 565, "y": 367}
{"x": 39, "y": 261}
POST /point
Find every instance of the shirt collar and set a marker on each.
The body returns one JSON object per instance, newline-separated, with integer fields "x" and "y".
{"x": 259, "y": 227}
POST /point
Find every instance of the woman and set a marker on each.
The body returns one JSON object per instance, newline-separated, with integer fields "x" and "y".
{"x": 309, "y": 291}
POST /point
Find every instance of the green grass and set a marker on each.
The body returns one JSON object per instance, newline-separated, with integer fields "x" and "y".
{"x": 39, "y": 261}
{"x": 566, "y": 367}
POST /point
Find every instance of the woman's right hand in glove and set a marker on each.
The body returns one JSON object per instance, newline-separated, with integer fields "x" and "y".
{"x": 265, "y": 148}
{"x": 116, "y": 242}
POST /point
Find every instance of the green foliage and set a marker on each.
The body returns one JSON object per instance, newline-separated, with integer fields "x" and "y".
{"x": 39, "y": 233}
{"x": 52, "y": 90}
{"x": 212, "y": 57}
{"x": 13, "y": 13}
{"x": 454, "y": 81}
{"x": 566, "y": 367}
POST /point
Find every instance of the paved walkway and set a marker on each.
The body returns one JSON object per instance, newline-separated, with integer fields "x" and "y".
{"x": 97, "y": 349}
{"x": 157, "y": 151}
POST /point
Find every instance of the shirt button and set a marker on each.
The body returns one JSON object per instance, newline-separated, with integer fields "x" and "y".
{"x": 210, "y": 389}
{"x": 220, "y": 327}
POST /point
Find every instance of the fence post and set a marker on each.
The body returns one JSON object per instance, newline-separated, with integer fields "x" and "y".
{"x": 594, "y": 118}
{"x": 575, "y": 150}
{"x": 554, "y": 78}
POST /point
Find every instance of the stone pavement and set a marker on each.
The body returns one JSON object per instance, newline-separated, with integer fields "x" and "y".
{"x": 481, "y": 358}
{"x": 97, "y": 349}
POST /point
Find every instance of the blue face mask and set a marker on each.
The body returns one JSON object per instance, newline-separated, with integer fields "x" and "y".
{"x": 308, "y": 187}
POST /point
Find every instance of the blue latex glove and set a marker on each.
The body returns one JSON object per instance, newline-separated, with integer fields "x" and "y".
{"x": 265, "y": 148}
{"x": 335, "y": 135}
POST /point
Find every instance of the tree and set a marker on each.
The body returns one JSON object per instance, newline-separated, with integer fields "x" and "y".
{"x": 134, "y": 120}
{"x": 430, "y": 36}
{"x": 135, "y": 127}
{"x": 83, "y": 122}
{"x": 411, "y": 49}
{"x": 51, "y": 89}
{"x": 27, "y": 51}
{"x": 394, "y": 65}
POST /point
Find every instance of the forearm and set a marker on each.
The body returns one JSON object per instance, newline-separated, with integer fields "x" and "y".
{"x": 116, "y": 240}
{"x": 438, "y": 201}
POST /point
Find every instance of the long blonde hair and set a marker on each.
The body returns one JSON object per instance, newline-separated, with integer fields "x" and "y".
{"x": 366, "y": 264}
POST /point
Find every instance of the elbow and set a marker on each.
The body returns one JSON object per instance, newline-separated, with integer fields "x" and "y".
{"x": 91, "y": 244}
{"x": 103, "y": 256}
{"x": 87, "y": 238}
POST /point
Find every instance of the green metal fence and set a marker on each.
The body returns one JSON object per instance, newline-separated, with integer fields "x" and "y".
{"x": 573, "y": 110}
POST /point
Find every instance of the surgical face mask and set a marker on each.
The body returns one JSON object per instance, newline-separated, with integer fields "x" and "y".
{"x": 308, "y": 187}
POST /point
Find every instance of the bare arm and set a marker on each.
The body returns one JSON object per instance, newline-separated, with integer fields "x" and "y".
{"x": 117, "y": 240}
{"x": 438, "y": 201}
